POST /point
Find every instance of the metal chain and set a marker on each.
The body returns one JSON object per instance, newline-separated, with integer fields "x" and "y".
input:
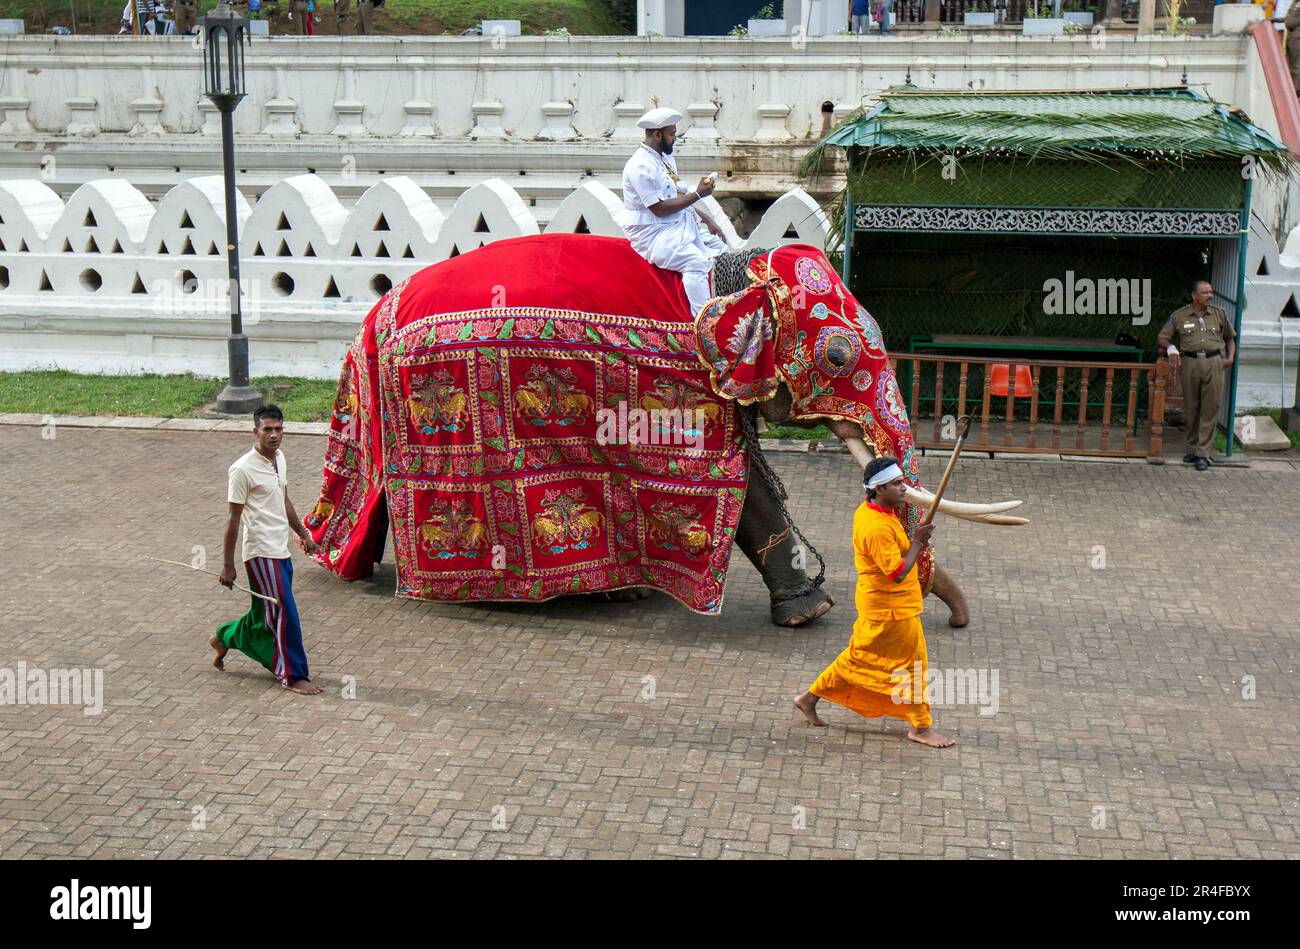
{"x": 731, "y": 271}
{"x": 779, "y": 493}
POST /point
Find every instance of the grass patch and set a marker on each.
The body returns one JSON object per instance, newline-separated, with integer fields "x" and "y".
{"x": 59, "y": 392}
{"x": 1221, "y": 441}
{"x": 819, "y": 433}
{"x": 395, "y": 17}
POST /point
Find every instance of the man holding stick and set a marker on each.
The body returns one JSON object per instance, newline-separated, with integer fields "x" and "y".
{"x": 259, "y": 499}
{"x": 875, "y": 675}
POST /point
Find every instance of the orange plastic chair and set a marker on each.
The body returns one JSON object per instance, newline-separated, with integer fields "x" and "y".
{"x": 998, "y": 382}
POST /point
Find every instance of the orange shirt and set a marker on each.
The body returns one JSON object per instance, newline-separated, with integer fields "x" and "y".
{"x": 879, "y": 545}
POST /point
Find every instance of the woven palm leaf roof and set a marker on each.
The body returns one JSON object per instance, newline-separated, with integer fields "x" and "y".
{"x": 1176, "y": 123}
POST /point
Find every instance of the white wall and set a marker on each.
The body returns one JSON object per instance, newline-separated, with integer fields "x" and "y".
{"x": 110, "y": 282}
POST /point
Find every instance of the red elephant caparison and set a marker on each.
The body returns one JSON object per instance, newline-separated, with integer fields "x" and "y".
{"x": 470, "y": 402}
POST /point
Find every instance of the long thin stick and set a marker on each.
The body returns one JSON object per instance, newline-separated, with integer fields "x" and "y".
{"x": 177, "y": 563}
{"x": 963, "y": 429}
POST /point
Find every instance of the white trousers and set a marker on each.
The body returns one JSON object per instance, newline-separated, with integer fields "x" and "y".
{"x": 680, "y": 243}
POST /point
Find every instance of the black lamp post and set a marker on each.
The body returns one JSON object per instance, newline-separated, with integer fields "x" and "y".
{"x": 224, "y": 35}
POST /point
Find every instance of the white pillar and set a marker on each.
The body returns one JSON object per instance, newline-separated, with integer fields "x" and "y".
{"x": 419, "y": 109}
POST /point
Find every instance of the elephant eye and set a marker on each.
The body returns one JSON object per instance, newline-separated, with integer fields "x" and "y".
{"x": 836, "y": 351}
{"x": 839, "y": 351}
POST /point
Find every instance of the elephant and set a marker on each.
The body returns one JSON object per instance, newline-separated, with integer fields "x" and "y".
{"x": 782, "y": 338}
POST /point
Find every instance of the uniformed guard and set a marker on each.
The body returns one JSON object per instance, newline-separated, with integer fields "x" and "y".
{"x": 185, "y": 13}
{"x": 1201, "y": 345}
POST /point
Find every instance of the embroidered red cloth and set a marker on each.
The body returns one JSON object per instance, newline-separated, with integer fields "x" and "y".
{"x": 467, "y": 417}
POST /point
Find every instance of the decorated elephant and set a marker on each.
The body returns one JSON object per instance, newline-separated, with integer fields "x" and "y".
{"x": 563, "y": 507}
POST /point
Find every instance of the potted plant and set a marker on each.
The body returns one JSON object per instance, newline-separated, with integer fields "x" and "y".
{"x": 766, "y": 22}
{"x": 1039, "y": 22}
{"x": 982, "y": 15}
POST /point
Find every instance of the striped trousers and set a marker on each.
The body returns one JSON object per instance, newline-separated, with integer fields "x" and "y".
{"x": 270, "y": 633}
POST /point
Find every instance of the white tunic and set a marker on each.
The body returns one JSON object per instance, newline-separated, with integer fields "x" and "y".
{"x": 676, "y": 241}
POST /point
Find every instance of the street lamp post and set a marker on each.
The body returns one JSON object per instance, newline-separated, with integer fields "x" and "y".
{"x": 224, "y": 35}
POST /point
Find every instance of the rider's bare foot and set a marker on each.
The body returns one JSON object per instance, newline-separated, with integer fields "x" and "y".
{"x": 807, "y": 703}
{"x": 303, "y": 687}
{"x": 928, "y": 736}
{"x": 219, "y": 651}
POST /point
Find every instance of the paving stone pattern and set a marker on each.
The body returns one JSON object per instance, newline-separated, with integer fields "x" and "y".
{"x": 528, "y": 731}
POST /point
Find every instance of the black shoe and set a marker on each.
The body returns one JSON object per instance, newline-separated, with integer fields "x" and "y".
{"x": 1202, "y": 464}
{"x": 1189, "y": 459}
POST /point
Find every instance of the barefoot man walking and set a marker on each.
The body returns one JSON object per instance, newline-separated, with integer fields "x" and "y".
{"x": 259, "y": 499}
{"x": 888, "y": 641}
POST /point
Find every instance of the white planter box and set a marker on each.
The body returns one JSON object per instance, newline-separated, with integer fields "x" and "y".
{"x": 1049, "y": 26}
{"x": 979, "y": 19}
{"x": 9, "y": 27}
{"x": 1083, "y": 19}
{"x": 259, "y": 27}
{"x": 767, "y": 27}
{"x": 500, "y": 27}
{"x": 1235, "y": 17}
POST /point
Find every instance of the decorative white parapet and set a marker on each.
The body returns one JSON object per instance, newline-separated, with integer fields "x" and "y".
{"x": 281, "y": 110}
{"x": 419, "y": 108}
{"x": 81, "y": 122}
{"x": 14, "y": 110}
{"x": 350, "y": 109}
{"x": 702, "y": 128}
{"x": 487, "y": 120}
{"x": 766, "y": 90}
{"x": 626, "y": 114}
{"x": 773, "y": 113}
{"x": 111, "y": 282}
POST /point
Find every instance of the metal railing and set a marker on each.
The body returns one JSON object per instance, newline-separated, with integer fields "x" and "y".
{"x": 1111, "y": 409}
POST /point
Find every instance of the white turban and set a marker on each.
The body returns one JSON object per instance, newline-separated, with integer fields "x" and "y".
{"x": 659, "y": 118}
{"x": 884, "y": 476}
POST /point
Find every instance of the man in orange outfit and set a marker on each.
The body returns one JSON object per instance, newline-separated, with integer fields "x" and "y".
{"x": 888, "y": 644}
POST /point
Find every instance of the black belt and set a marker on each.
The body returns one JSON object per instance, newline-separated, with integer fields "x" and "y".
{"x": 1217, "y": 352}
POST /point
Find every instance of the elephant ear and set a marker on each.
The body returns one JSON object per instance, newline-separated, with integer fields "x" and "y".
{"x": 737, "y": 344}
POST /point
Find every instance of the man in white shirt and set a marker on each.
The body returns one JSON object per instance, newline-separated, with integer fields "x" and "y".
{"x": 259, "y": 500}
{"x": 659, "y": 218}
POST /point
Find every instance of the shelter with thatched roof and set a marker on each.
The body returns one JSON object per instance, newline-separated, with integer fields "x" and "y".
{"x": 961, "y": 209}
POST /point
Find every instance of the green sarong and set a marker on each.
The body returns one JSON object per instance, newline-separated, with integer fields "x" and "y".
{"x": 250, "y": 635}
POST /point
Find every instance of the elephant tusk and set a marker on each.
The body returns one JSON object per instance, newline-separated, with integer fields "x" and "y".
{"x": 860, "y": 451}
{"x": 923, "y": 498}
{"x": 1006, "y": 519}
{"x": 984, "y": 513}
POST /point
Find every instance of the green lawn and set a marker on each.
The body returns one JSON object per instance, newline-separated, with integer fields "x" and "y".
{"x": 592, "y": 17}
{"x": 60, "y": 392}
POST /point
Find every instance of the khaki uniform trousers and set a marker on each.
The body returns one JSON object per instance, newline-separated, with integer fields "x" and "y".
{"x": 340, "y": 13}
{"x": 365, "y": 9}
{"x": 185, "y": 15}
{"x": 1202, "y": 392}
{"x": 300, "y": 14}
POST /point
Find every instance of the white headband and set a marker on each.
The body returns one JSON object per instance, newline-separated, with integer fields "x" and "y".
{"x": 884, "y": 476}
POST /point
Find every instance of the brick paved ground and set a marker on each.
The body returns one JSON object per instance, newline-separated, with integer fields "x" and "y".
{"x": 1121, "y": 688}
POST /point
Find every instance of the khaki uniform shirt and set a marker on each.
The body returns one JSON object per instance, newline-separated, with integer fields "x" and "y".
{"x": 1193, "y": 334}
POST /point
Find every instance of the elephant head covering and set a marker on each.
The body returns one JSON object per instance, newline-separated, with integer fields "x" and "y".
{"x": 796, "y": 324}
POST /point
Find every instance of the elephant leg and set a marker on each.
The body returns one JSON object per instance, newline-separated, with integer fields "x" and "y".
{"x": 771, "y": 546}
{"x": 626, "y": 595}
{"x": 945, "y": 588}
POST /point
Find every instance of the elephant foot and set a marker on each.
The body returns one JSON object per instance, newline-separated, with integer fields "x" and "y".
{"x": 803, "y": 609}
{"x": 628, "y": 595}
{"x": 945, "y": 588}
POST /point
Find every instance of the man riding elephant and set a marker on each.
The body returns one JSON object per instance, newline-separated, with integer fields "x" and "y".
{"x": 521, "y": 328}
